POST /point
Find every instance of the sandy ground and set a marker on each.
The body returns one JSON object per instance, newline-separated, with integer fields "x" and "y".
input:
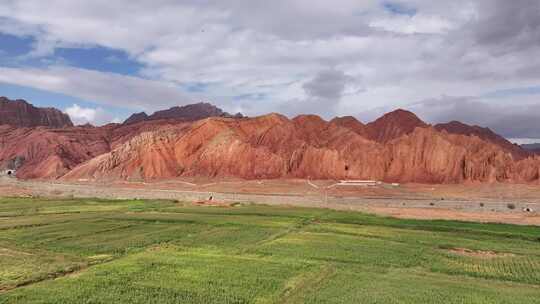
{"x": 7, "y": 190}
{"x": 473, "y": 202}
{"x": 519, "y": 192}
{"x": 447, "y": 214}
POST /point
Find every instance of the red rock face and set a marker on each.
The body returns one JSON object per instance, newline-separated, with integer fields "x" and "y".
{"x": 429, "y": 156}
{"x": 19, "y": 113}
{"x": 396, "y": 148}
{"x": 456, "y": 127}
{"x": 393, "y": 125}
{"x": 50, "y": 153}
{"x": 352, "y": 124}
{"x": 273, "y": 146}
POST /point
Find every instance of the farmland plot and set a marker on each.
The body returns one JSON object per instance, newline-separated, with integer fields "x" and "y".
{"x": 98, "y": 251}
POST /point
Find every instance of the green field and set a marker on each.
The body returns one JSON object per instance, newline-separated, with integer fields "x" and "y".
{"x": 98, "y": 251}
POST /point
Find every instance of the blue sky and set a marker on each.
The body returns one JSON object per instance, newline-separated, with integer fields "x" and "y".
{"x": 13, "y": 46}
{"x": 42, "y": 98}
{"x": 14, "y": 53}
{"x": 100, "y": 61}
{"x": 399, "y": 8}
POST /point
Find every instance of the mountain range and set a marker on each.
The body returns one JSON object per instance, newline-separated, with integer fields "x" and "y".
{"x": 188, "y": 113}
{"x": 532, "y": 148}
{"x": 203, "y": 140}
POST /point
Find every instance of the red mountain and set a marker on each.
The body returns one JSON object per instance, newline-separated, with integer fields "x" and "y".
{"x": 352, "y": 124}
{"x": 397, "y": 147}
{"x": 273, "y": 146}
{"x": 50, "y": 153}
{"x": 393, "y": 125}
{"x": 19, "y": 113}
{"x": 456, "y": 127}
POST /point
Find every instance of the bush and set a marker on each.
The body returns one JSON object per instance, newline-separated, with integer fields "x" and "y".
{"x": 511, "y": 206}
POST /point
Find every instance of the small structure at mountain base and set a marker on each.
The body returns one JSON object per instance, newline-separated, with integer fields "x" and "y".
{"x": 364, "y": 183}
{"x": 8, "y": 173}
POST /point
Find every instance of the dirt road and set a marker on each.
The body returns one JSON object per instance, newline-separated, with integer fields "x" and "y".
{"x": 409, "y": 201}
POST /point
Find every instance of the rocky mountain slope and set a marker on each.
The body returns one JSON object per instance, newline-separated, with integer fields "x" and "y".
{"x": 43, "y": 152}
{"x": 456, "y": 127}
{"x": 273, "y": 146}
{"x": 52, "y": 149}
{"x": 20, "y": 113}
{"x": 393, "y": 125}
{"x": 352, "y": 124}
{"x": 398, "y": 147}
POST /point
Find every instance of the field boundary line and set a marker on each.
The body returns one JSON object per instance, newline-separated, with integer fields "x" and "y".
{"x": 304, "y": 281}
{"x": 48, "y": 277}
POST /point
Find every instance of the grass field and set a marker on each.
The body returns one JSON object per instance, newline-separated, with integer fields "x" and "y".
{"x": 97, "y": 251}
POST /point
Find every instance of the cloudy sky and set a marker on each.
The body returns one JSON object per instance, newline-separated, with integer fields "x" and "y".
{"x": 477, "y": 61}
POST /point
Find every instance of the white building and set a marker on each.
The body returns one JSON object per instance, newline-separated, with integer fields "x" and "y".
{"x": 358, "y": 183}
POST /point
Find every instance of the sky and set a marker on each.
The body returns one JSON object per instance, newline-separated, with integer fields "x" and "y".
{"x": 477, "y": 61}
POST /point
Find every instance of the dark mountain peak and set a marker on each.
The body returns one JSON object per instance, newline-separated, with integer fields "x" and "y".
{"x": 136, "y": 117}
{"x": 20, "y": 113}
{"x": 457, "y": 127}
{"x": 194, "y": 111}
{"x": 189, "y": 112}
{"x": 484, "y": 133}
{"x": 401, "y": 116}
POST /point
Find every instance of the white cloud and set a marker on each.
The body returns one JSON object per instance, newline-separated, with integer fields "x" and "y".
{"x": 524, "y": 141}
{"x": 104, "y": 88}
{"x": 271, "y": 49}
{"x": 417, "y": 24}
{"x": 80, "y": 115}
